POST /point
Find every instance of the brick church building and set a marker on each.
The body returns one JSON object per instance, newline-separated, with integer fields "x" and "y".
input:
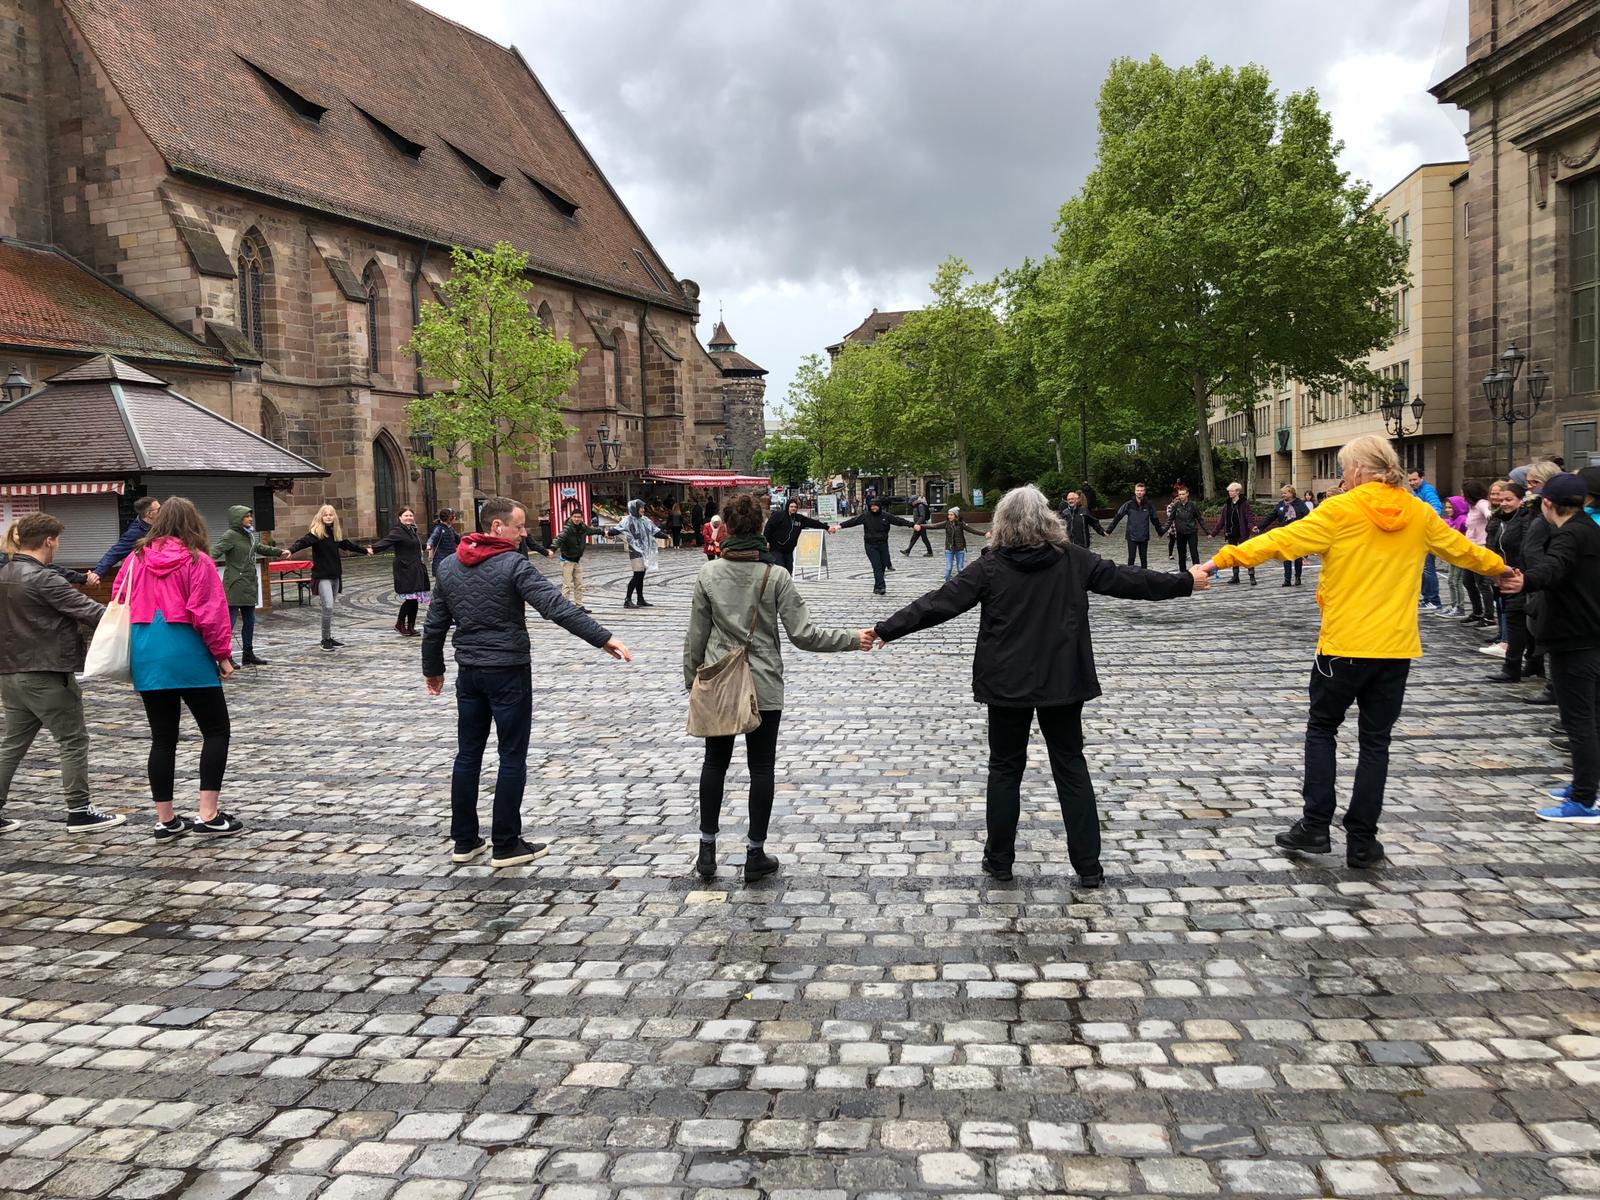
{"x": 283, "y": 199}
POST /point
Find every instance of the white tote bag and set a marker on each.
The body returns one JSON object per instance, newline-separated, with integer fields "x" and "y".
{"x": 110, "y": 650}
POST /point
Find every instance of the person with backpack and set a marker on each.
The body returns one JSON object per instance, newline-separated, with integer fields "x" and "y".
{"x": 920, "y": 512}
{"x": 442, "y": 538}
{"x": 1141, "y": 517}
{"x": 1289, "y": 508}
{"x": 236, "y": 552}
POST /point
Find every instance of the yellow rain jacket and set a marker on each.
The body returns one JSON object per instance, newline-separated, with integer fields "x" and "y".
{"x": 1373, "y": 541}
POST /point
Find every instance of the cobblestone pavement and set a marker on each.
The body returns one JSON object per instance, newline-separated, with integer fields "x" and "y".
{"x": 325, "y": 1007}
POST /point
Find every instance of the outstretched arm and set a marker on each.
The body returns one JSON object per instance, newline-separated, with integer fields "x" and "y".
{"x": 1310, "y": 535}
{"x": 797, "y": 624}
{"x": 1133, "y": 583}
{"x": 1457, "y": 550}
{"x": 962, "y": 593}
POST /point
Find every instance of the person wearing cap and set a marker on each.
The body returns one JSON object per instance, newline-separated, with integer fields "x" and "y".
{"x": 1372, "y": 540}
{"x": 955, "y": 541}
{"x": 1566, "y": 623}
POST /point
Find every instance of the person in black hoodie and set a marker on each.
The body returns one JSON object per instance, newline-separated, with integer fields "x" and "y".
{"x": 920, "y": 512}
{"x": 1141, "y": 516}
{"x": 1075, "y": 515}
{"x": 1033, "y": 654}
{"x": 875, "y": 523}
{"x": 1185, "y": 521}
{"x": 783, "y": 533}
{"x": 484, "y": 591}
{"x": 410, "y": 575}
{"x": 325, "y": 539}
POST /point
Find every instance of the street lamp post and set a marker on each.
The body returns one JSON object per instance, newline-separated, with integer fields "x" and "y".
{"x": 1500, "y": 390}
{"x": 609, "y": 450}
{"x": 717, "y": 453}
{"x": 422, "y": 447}
{"x": 1393, "y": 408}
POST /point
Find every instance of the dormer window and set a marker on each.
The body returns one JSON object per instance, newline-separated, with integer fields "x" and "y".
{"x": 489, "y": 179}
{"x": 567, "y": 208}
{"x": 299, "y": 103}
{"x": 411, "y": 149}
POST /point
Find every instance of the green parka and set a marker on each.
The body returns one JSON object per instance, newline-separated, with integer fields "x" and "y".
{"x": 236, "y": 552}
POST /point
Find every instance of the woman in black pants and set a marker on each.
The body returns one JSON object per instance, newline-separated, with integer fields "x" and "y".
{"x": 737, "y": 597}
{"x": 1033, "y": 655}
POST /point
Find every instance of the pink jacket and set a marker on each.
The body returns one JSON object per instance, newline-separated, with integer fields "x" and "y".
{"x": 185, "y": 589}
{"x": 1477, "y": 530}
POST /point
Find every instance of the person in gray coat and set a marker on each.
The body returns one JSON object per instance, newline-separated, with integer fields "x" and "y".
{"x": 727, "y": 591}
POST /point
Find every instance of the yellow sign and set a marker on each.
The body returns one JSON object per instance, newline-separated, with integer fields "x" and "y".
{"x": 812, "y": 552}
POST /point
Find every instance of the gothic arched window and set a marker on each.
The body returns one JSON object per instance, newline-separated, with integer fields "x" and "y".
{"x": 370, "y": 280}
{"x": 251, "y": 275}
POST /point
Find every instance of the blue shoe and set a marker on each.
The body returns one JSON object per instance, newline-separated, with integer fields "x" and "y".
{"x": 1570, "y": 812}
{"x": 1562, "y": 793}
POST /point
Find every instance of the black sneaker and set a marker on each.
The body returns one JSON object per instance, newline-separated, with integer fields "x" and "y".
{"x": 1303, "y": 838}
{"x": 758, "y": 864}
{"x": 517, "y": 853}
{"x": 87, "y": 820}
{"x": 251, "y": 660}
{"x": 328, "y": 643}
{"x": 221, "y": 825}
{"x": 7, "y": 824}
{"x": 1091, "y": 881}
{"x": 1360, "y": 857}
{"x": 1543, "y": 696}
{"x": 175, "y": 828}
{"x": 627, "y": 604}
{"x": 465, "y": 852}
{"x": 645, "y": 604}
{"x": 335, "y": 643}
{"x": 996, "y": 870}
{"x": 705, "y": 862}
{"x": 1562, "y": 744}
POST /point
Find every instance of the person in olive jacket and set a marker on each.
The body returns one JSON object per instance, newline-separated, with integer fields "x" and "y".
{"x": 325, "y": 539}
{"x": 236, "y": 552}
{"x": 410, "y": 574}
{"x": 1033, "y": 654}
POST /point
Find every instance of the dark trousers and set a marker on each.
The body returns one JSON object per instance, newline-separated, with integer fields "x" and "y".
{"x": 1142, "y": 549}
{"x": 784, "y": 558}
{"x": 1293, "y": 569}
{"x": 635, "y": 581}
{"x": 1191, "y": 543}
{"x": 921, "y": 535}
{"x": 1234, "y": 541}
{"x": 1519, "y": 643}
{"x": 1377, "y": 687}
{"x": 209, "y": 708}
{"x": 1478, "y": 594}
{"x": 1575, "y": 679}
{"x": 408, "y": 612}
{"x": 246, "y": 614}
{"x": 677, "y": 538}
{"x": 761, "y": 755}
{"x": 878, "y": 556}
{"x": 1062, "y": 727}
{"x": 502, "y": 696}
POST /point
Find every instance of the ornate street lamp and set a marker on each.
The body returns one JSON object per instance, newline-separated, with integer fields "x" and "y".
{"x": 1500, "y": 390}
{"x": 1393, "y": 408}
{"x": 16, "y": 385}
{"x": 422, "y": 447}
{"x": 717, "y": 452}
{"x": 609, "y": 450}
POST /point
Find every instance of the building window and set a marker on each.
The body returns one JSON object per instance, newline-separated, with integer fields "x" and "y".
{"x": 1583, "y": 270}
{"x": 1405, "y": 309}
{"x": 250, "y": 276}
{"x": 1411, "y": 454}
{"x": 369, "y": 281}
{"x": 1325, "y": 464}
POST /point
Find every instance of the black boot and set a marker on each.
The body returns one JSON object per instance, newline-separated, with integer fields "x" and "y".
{"x": 250, "y": 659}
{"x": 1305, "y": 839}
{"x": 705, "y": 863}
{"x": 758, "y": 864}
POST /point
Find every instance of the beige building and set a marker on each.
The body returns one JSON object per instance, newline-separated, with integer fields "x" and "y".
{"x": 1299, "y": 430}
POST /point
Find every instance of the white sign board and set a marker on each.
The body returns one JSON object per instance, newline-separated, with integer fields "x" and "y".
{"x": 977, "y": 497}
{"x": 828, "y": 507}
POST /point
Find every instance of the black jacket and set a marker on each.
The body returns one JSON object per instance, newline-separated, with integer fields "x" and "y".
{"x": 1566, "y": 582}
{"x": 570, "y": 544}
{"x": 1140, "y": 517}
{"x": 1512, "y": 536}
{"x": 1078, "y": 522}
{"x": 920, "y": 513}
{"x": 409, "y": 573}
{"x": 442, "y": 542}
{"x": 875, "y": 525}
{"x": 487, "y": 603}
{"x": 1033, "y": 637}
{"x": 325, "y": 560}
{"x": 783, "y": 531}
{"x": 1186, "y": 518}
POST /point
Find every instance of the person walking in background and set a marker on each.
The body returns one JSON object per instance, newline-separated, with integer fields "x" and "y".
{"x": 236, "y": 553}
{"x": 483, "y": 592}
{"x": 697, "y": 520}
{"x": 325, "y": 539}
{"x": 739, "y": 600}
{"x": 675, "y": 525}
{"x": 1185, "y": 520}
{"x": 570, "y": 545}
{"x": 180, "y": 651}
{"x": 639, "y": 534}
{"x": 410, "y": 573}
{"x": 1429, "y": 495}
{"x": 711, "y": 536}
{"x": 920, "y": 512}
{"x": 783, "y": 532}
{"x": 442, "y": 538}
{"x": 1289, "y": 508}
{"x": 1033, "y": 655}
{"x": 1076, "y": 516}
{"x": 1140, "y": 514}
{"x": 1476, "y": 528}
{"x": 145, "y": 509}
{"x": 1237, "y": 523}
{"x": 43, "y": 619}
{"x": 1372, "y": 540}
{"x": 875, "y": 524}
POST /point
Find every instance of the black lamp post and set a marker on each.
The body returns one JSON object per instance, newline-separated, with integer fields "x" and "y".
{"x": 1393, "y": 408}
{"x": 422, "y": 447}
{"x": 717, "y": 451}
{"x": 16, "y": 385}
{"x": 609, "y": 450}
{"x": 1500, "y": 390}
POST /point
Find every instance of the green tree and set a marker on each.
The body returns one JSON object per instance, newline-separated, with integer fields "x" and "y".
{"x": 505, "y": 371}
{"x": 787, "y": 460}
{"x": 1215, "y": 242}
{"x": 817, "y": 415}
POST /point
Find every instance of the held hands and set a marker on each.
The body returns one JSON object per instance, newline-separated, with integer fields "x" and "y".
{"x": 833, "y": 529}
{"x": 434, "y": 684}
{"x": 1201, "y": 577}
{"x": 369, "y": 551}
{"x": 869, "y": 639}
{"x": 617, "y": 650}
{"x": 1509, "y": 582}
{"x": 94, "y": 578}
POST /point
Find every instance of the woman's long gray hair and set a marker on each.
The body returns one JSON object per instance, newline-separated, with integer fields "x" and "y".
{"x": 1024, "y": 518}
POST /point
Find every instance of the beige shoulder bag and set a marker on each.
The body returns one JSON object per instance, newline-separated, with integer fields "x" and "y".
{"x": 722, "y": 701}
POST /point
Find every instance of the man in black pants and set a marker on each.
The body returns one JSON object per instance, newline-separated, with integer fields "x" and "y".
{"x": 875, "y": 524}
{"x": 1184, "y": 520}
{"x": 920, "y": 512}
{"x": 1079, "y": 520}
{"x": 1140, "y": 515}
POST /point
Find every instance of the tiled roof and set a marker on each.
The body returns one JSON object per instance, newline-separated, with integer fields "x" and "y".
{"x": 376, "y": 65}
{"x": 51, "y": 302}
{"x": 869, "y": 330}
{"x": 721, "y": 337}
{"x": 103, "y": 418}
{"x": 732, "y": 362}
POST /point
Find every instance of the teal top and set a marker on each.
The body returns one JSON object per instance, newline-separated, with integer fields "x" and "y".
{"x": 166, "y": 656}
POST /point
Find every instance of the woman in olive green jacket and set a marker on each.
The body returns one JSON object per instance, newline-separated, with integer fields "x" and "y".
{"x": 236, "y": 552}
{"x": 719, "y": 620}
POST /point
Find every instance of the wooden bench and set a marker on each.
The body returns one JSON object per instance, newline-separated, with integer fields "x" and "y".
{"x": 291, "y": 570}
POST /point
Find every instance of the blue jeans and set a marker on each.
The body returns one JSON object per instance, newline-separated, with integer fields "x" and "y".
{"x": 1430, "y": 581}
{"x": 246, "y": 613}
{"x": 955, "y": 562}
{"x": 503, "y": 696}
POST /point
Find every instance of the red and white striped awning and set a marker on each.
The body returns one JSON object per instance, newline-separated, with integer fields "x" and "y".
{"x": 61, "y": 489}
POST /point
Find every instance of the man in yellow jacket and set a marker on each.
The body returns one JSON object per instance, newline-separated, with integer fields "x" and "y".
{"x": 1372, "y": 539}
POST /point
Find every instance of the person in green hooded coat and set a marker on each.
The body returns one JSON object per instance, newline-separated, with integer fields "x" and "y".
{"x": 236, "y": 552}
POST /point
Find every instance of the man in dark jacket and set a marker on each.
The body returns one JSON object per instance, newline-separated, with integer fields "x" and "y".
{"x": 42, "y": 619}
{"x": 875, "y": 524}
{"x": 1237, "y": 524}
{"x": 1567, "y": 625}
{"x": 570, "y": 544}
{"x": 1289, "y": 508}
{"x": 145, "y": 509}
{"x": 783, "y": 533}
{"x": 1185, "y": 521}
{"x": 920, "y": 512}
{"x": 1140, "y": 515}
{"x": 1076, "y": 516}
{"x": 483, "y": 591}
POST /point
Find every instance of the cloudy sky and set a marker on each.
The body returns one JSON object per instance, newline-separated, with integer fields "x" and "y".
{"x": 808, "y": 160}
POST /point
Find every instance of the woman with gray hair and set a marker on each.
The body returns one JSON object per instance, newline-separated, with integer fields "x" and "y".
{"x": 1033, "y": 655}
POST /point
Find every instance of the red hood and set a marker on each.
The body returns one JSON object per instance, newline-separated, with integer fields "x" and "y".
{"x": 480, "y": 547}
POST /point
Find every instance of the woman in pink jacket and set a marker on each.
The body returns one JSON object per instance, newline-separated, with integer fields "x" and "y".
{"x": 181, "y": 649}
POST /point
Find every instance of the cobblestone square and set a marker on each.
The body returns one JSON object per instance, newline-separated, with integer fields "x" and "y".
{"x": 327, "y": 1007}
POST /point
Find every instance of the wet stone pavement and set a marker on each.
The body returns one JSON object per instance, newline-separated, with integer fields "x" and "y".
{"x": 326, "y": 1007}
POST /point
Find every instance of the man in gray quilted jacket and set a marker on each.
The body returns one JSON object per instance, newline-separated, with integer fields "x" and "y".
{"x": 484, "y": 591}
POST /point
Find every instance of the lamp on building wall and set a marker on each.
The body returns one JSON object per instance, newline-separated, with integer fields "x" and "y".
{"x": 16, "y": 385}
{"x": 1500, "y": 390}
{"x": 608, "y": 449}
{"x": 718, "y": 451}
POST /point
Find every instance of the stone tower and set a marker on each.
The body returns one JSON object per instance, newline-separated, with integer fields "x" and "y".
{"x": 744, "y": 391}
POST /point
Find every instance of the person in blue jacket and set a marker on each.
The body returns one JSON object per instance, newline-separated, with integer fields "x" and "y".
{"x": 1429, "y": 495}
{"x": 145, "y": 509}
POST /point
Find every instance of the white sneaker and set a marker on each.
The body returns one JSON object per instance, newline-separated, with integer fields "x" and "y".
{"x": 1493, "y": 649}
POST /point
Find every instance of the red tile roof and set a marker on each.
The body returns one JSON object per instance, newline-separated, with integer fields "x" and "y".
{"x": 734, "y": 363}
{"x": 51, "y": 302}
{"x": 868, "y": 331}
{"x": 212, "y": 111}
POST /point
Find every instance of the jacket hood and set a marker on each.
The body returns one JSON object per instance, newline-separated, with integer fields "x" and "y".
{"x": 1386, "y": 507}
{"x": 165, "y": 555}
{"x": 1037, "y": 557}
{"x": 1461, "y": 503}
{"x": 236, "y": 516}
{"x": 635, "y": 508}
{"x": 477, "y": 548}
